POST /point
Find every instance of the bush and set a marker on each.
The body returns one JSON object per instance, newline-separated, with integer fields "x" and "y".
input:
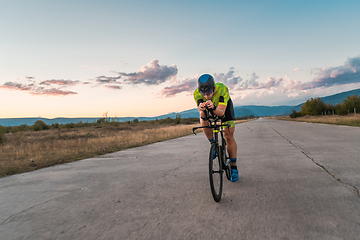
{"x": 101, "y": 120}
{"x": 314, "y": 106}
{"x": 70, "y": 125}
{"x": 40, "y": 125}
{"x": 295, "y": 114}
{"x": 244, "y": 117}
{"x": 178, "y": 118}
{"x": 2, "y": 134}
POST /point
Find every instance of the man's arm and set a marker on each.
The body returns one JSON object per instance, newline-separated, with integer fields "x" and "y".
{"x": 201, "y": 107}
{"x": 219, "y": 111}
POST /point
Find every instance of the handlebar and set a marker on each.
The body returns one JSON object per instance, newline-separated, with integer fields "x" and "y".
{"x": 213, "y": 115}
{"x": 212, "y": 119}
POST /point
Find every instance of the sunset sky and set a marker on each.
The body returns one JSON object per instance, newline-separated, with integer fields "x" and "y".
{"x": 142, "y": 58}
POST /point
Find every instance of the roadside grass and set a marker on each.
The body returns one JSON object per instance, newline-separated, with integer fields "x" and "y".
{"x": 26, "y": 151}
{"x": 350, "y": 120}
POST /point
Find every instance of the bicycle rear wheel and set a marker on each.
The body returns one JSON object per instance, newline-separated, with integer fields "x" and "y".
{"x": 225, "y": 160}
{"x": 226, "y": 165}
{"x": 215, "y": 173}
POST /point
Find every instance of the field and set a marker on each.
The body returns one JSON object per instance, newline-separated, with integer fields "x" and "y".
{"x": 30, "y": 150}
{"x": 349, "y": 120}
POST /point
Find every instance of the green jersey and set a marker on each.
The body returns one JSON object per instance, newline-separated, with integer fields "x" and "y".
{"x": 221, "y": 95}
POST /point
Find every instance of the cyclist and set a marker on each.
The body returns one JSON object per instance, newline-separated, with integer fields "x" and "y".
{"x": 215, "y": 96}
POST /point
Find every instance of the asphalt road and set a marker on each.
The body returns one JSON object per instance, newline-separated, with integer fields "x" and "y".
{"x": 297, "y": 181}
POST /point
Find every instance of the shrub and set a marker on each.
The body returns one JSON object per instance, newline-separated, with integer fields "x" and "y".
{"x": 314, "y": 106}
{"x": 101, "y": 120}
{"x": 295, "y": 114}
{"x": 20, "y": 128}
{"x": 2, "y": 134}
{"x": 40, "y": 125}
{"x": 178, "y": 118}
{"x": 236, "y": 118}
{"x": 70, "y": 125}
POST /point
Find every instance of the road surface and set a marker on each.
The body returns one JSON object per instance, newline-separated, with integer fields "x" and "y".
{"x": 297, "y": 181}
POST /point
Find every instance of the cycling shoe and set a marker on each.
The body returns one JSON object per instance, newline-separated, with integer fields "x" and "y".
{"x": 234, "y": 175}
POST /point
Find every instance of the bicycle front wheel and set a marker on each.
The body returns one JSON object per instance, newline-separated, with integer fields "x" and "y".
{"x": 215, "y": 172}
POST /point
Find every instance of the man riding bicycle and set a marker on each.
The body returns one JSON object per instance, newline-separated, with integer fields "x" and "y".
{"x": 215, "y": 96}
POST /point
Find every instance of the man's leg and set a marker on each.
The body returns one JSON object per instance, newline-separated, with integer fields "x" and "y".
{"x": 231, "y": 143}
{"x": 207, "y": 131}
{"x": 232, "y": 150}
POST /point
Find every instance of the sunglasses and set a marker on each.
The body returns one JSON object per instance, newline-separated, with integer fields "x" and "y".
{"x": 208, "y": 92}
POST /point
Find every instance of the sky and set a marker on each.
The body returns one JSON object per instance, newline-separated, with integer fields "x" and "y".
{"x": 142, "y": 58}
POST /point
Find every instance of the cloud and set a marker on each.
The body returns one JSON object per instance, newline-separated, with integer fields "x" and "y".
{"x": 51, "y": 92}
{"x": 271, "y": 82}
{"x": 275, "y": 91}
{"x": 228, "y": 79}
{"x": 150, "y": 74}
{"x": 327, "y": 77}
{"x": 296, "y": 69}
{"x": 17, "y": 86}
{"x": 190, "y": 84}
{"x": 252, "y": 83}
{"x": 112, "y": 87}
{"x": 187, "y": 85}
{"x": 33, "y": 89}
{"x": 341, "y": 75}
{"x": 59, "y": 82}
{"x": 104, "y": 79}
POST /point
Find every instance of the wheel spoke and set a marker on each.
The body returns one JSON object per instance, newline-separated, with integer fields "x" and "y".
{"x": 215, "y": 174}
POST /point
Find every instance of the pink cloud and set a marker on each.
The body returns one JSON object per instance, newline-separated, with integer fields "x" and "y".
{"x": 187, "y": 85}
{"x": 51, "y": 92}
{"x": 35, "y": 90}
{"x": 151, "y": 74}
{"x": 59, "y": 82}
{"x": 112, "y": 87}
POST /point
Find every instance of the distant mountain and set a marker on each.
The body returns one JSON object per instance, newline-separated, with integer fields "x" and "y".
{"x": 240, "y": 111}
{"x": 332, "y": 99}
{"x": 30, "y": 121}
{"x": 340, "y": 97}
{"x": 267, "y": 110}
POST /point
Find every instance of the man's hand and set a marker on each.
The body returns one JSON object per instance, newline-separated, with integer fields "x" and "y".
{"x": 202, "y": 106}
{"x": 209, "y": 104}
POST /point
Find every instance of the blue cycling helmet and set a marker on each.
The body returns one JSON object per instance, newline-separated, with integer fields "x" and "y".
{"x": 206, "y": 84}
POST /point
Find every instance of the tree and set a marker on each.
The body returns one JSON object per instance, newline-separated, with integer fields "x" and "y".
{"x": 350, "y": 103}
{"x": 314, "y": 106}
{"x": 295, "y": 114}
{"x": 40, "y": 125}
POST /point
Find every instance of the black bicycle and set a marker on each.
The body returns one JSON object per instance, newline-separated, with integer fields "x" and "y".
{"x": 219, "y": 161}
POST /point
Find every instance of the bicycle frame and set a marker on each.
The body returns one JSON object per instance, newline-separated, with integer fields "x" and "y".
{"x": 217, "y": 128}
{"x": 218, "y": 160}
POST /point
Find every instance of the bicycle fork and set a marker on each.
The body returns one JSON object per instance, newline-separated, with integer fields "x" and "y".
{"x": 220, "y": 150}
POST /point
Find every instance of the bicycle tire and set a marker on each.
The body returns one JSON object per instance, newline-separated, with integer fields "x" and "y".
{"x": 225, "y": 160}
{"x": 227, "y": 168}
{"x": 215, "y": 173}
